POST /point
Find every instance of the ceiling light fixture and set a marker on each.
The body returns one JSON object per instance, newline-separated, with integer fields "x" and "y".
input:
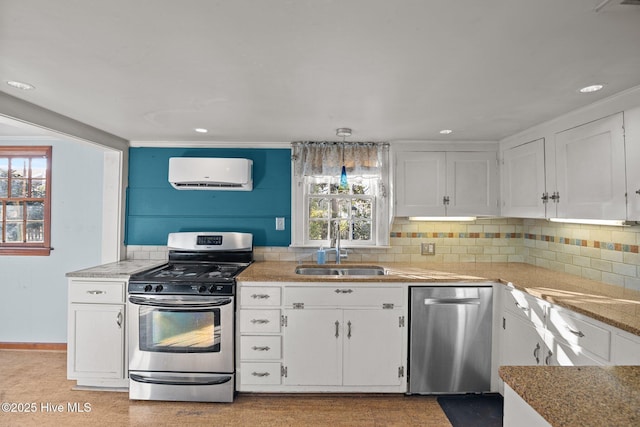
{"x": 446, "y": 131}
{"x": 201, "y": 130}
{"x": 20, "y": 85}
{"x": 592, "y": 88}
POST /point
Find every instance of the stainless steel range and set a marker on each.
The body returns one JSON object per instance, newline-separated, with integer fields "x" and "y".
{"x": 181, "y": 319}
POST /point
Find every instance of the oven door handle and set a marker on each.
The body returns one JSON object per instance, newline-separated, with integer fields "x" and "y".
{"x": 176, "y": 303}
{"x": 208, "y": 381}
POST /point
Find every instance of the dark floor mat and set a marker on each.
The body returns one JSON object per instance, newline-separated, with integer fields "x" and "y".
{"x": 472, "y": 410}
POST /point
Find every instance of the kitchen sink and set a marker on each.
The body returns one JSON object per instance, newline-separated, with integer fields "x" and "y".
{"x": 340, "y": 270}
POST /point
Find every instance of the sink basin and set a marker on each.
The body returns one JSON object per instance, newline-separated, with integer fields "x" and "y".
{"x": 340, "y": 270}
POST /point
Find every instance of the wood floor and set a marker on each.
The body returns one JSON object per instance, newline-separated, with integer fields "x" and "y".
{"x": 39, "y": 377}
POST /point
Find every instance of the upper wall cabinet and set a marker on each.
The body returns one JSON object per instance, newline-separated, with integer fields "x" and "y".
{"x": 632, "y": 147}
{"x": 523, "y": 181}
{"x": 590, "y": 170}
{"x": 446, "y": 184}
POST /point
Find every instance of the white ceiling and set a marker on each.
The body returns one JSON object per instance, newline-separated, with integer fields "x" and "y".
{"x": 285, "y": 70}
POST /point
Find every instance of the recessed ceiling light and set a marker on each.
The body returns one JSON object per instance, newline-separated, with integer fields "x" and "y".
{"x": 446, "y": 131}
{"x": 20, "y": 85}
{"x": 592, "y": 88}
{"x": 201, "y": 130}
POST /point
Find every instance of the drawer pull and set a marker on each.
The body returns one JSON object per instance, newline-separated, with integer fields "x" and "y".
{"x": 535, "y": 353}
{"x": 576, "y": 333}
{"x": 119, "y": 319}
{"x": 260, "y": 296}
{"x": 260, "y": 374}
{"x": 260, "y": 321}
{"x": 95, "y": 292}
{"x": 522, "y": 307}
{"x": 343, "y": 291}
{"x": 547, "y": 360}
{"x": 264, "y": 348}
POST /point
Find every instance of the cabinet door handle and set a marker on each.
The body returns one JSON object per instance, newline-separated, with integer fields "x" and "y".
{"x": 95, "y": 292}
{"x": 337, "y": 329}
{"x": 259, "y": 321}
{"x": 349, "y": 329}
{"x": 260, "y": 374}
{"x": 579, "y": 334}
{"x": 522, "y": 307}
{"x": 343, "y": 291}
{"x": 637, "y": 191}
{"x": 264, "y": 348}
{"x": 260, "y": 296}
{"x": 536, "y": 351}
{"x": 119, "y": 319}
{"x": 547, "y": 360}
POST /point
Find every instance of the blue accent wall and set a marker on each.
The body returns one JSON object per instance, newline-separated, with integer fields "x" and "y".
{"x": 155, "y": 208}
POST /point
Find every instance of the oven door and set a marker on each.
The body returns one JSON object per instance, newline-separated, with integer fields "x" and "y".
{"x": 181, "y": 333}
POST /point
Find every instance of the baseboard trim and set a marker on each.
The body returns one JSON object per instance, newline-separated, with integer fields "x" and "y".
{"x": 51, "y": 346}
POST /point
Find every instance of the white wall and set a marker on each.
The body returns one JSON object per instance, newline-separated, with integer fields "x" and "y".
{"x": 33, "y": 306}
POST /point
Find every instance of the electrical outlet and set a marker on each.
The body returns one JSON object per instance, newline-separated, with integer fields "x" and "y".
{"x": 279, "y": 223}
{"x": 428, "y": 249}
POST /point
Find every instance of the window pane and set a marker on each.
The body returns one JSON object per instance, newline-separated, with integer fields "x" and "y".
{"x": 20, "y": 168}
{"x": 18, "y": 187}
{"x": 35, "y": 231}
{"x": 319, "y": 188}
{"x": 340, "y": 208}
{"x": 362, "y": 230}
{"x": 4, "y": 167}
{"x": 38, "y": 167}
{"x": 3, "y": 187}
{"x": 14, "y": 211}
{"x": 318, "y": 208}
{"x": 39, "y": 188}
{"x": 362, "y": 208}
{"x": 14, "y": 231}
{"x": 318, "y": 230}
{"x": 344, "y": 230}
{"x": 35, "y": 211}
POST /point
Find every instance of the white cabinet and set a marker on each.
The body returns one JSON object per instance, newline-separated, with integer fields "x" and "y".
{"x": 523, "y": 343}
{"x": 632, "y": 148}
{"x": 344, "y": 335}
{"x": 590, "y": 170}
{"x": 523, "y": 181}
{"x": 518, "y": 413}
{"x": 625, "y": 348}
{"x": 321, "y": 337}
{"x": 96, "y": 355}
{"x": 446, "y": 184}
{"x": 259, "y": 338}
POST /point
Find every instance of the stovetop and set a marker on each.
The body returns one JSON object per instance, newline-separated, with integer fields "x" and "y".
{"x": 187, "y": 279}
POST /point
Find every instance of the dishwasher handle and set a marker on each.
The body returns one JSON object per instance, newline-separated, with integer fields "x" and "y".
{"x": 441, "y": 301}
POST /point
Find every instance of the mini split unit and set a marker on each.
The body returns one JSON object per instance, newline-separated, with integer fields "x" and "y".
{"x": 204, "y": 173}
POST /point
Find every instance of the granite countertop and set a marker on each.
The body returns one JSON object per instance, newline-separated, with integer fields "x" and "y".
{"x": 559, "y": 393}
{"x": 116, "y": 270}
{"x": 613, "y": 305}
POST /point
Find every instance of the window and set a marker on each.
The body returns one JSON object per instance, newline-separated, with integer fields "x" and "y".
{"x": 25, "y": 200}
{"x": 322, "y": 207}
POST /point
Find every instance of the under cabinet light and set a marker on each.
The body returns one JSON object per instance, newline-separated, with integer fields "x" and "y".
{"x": 20, "y": 85}
{"x": 442, "y": 218}
{"x": 618, "y": 222}
{"x": 592, "y": 88}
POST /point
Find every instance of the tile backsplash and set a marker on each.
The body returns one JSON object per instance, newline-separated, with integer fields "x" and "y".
{"x": 604, "y": 253}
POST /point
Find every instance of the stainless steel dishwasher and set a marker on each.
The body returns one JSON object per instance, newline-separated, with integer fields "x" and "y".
{"x": 450, "y": 339}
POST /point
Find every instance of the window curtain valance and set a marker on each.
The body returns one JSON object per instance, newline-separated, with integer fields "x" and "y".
{"x": 326, "y": 158}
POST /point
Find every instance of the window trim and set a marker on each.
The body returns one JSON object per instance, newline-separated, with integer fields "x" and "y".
{"x": 25, "y": 248}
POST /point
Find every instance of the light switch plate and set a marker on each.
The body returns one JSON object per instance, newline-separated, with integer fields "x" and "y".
{"x": 279, "y": 223}
{"x": 428, "y": 249}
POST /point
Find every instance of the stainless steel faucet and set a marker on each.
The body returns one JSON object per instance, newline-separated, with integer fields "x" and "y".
{"x": 335, "y": 243}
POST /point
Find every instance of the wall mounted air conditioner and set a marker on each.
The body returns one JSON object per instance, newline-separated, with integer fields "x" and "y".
{"x": 209, "y": 173}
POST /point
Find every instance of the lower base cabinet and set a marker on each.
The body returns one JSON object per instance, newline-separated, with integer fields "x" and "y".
{"x": 96, "y": 352}
{"x": 343, "y": 347}
{"x": 518, "y": 413}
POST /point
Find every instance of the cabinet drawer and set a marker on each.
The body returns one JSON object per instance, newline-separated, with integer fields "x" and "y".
{"x": 576, "y": 331}
{"x": 259, "y": 321}
{"x": 525, "y": 306}
{"x": 260, "y": 348}
{"x": 342, "y": 294}
{"x": 260, "y": 373}
{"x": 97, "y": 292}
{"x": 259, "y": 296}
